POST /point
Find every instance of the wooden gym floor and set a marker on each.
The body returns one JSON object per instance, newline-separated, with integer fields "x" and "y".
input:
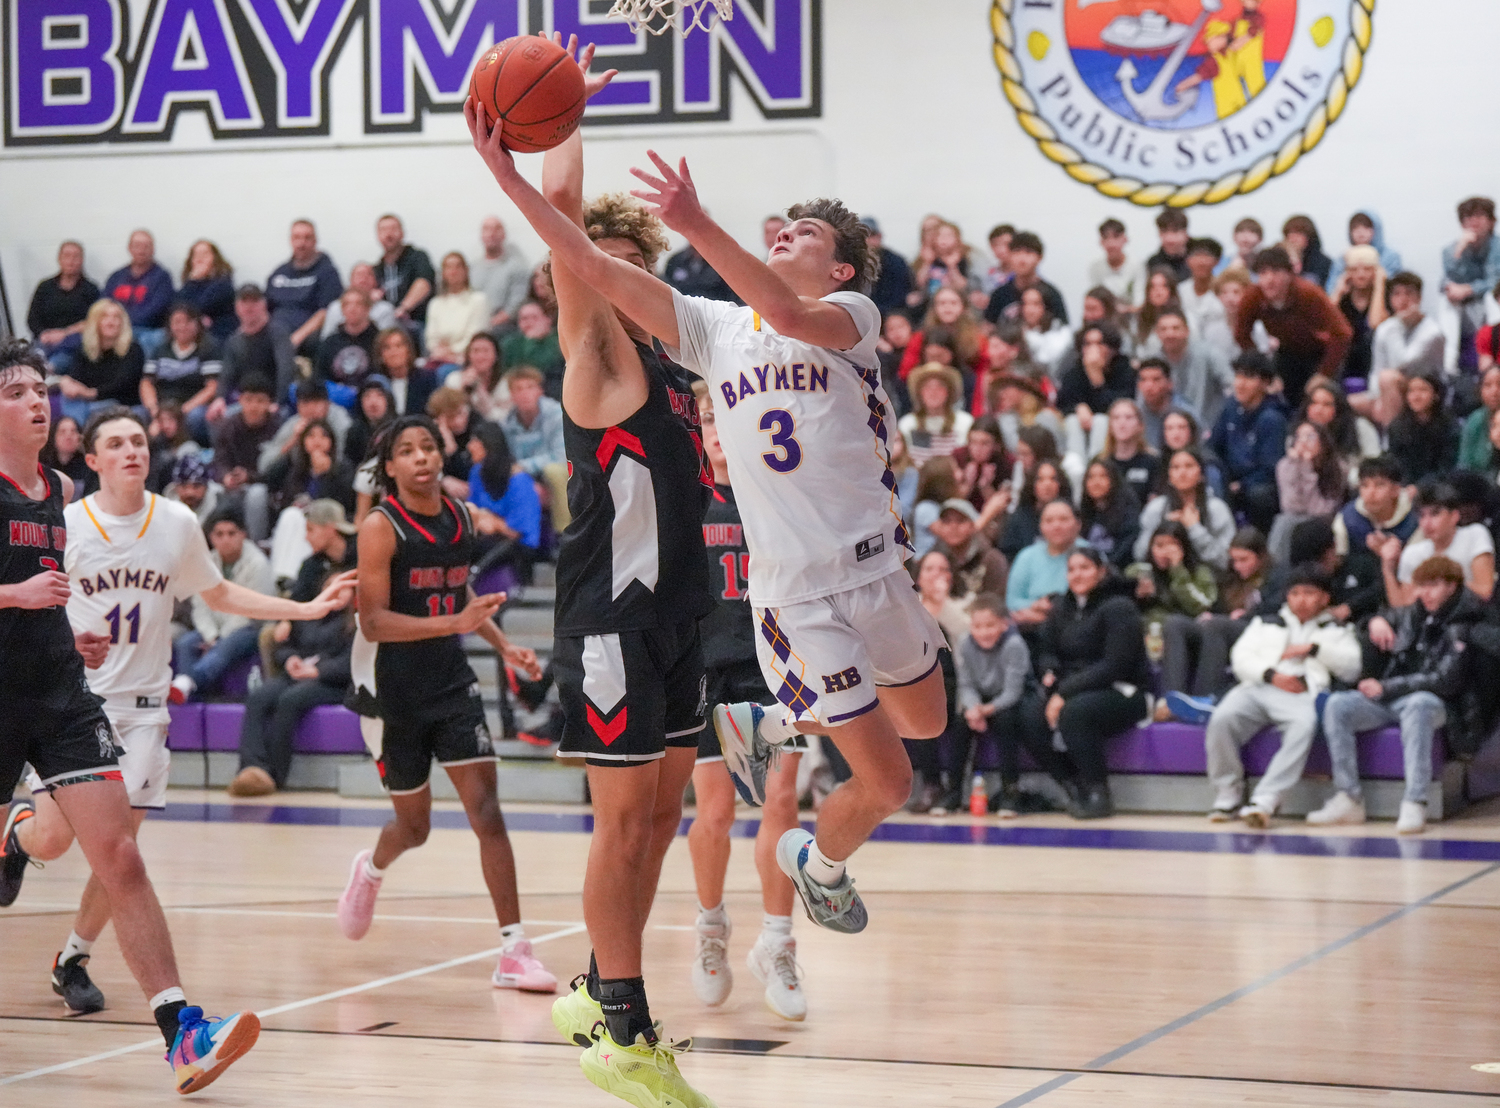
{"x": 1141, "y": 961}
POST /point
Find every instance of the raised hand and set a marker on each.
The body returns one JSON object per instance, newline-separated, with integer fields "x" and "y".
{"x": 477, "y": 610}
{"x": 593, "y": 83}
{"x": 486, "y": 136}
{"x": 672, "y": 197}
{"x": 335, "y": 595}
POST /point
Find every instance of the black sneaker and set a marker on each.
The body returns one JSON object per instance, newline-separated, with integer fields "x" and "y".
{"x": 13, "y": 860}
{"x": 70, "y": 980}
{"x": 1094, "y": 803}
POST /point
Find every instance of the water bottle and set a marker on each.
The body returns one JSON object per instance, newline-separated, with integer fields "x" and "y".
{"x": 1155, "y": 645}
{"x": 979, "y": 799}
{"x": 254, "y": 678}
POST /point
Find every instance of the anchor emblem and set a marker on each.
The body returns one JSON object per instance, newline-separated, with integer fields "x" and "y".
{"x": 1151, "y": 103}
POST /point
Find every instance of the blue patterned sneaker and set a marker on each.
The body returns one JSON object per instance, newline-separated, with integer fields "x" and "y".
{"x": 1191, "y": 709}
{"x": 204, "y": 1048}
{"x": 747, "y": 756}
{"x": 838, "y": 908}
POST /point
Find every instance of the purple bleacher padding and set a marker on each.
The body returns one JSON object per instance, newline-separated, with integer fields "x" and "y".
{"x": 1178, "y": 748}
{"x": 185, "y": 732}
{"x": 1353, "y": 385}
{"x": 221, "y": 726}
{"x": 329, "y": 729}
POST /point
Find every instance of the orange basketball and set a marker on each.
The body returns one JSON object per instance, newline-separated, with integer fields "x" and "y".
{"x": 533, "y": 88}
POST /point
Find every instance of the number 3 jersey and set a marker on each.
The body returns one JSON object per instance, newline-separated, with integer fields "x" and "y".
{"x": 126, "y": 574}
{"x": 805, "y": 432}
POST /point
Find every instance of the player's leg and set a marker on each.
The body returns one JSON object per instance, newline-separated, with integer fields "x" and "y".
{"x": 773, "y": 957}
{"x": 517, "y": 967}
{"x": 708, "y": 845}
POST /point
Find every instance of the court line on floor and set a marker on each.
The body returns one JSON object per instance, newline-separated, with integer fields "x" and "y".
{"x": 295, "y": 1005}
{"x": 230, "y": 910}
{"x": 1098, "y": 1064}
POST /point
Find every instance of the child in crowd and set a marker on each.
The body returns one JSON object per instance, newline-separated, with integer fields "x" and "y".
{"x": 1282, "y": 663}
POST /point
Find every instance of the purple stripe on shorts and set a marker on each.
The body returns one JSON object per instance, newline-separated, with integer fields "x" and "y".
{"x": 870, "y": 707}
{"x": 919, "y": 680}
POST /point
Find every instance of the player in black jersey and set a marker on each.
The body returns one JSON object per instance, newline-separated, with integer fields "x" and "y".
{"x": 416, "y": 548}
{"x": 53, "y": 721}
{"x": 632, "y": 585}
{"x": 733, "y": 676}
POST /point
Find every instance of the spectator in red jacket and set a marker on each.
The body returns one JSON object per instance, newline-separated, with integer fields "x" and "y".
{"x": 1313, "y": 334}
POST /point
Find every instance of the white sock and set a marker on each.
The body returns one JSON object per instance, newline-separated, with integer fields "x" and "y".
{"x": 713, "y": 916}
{"x": 372, "y": 871}
{"x": 822, "y": 869}
{"x": 777, "y": 726}
{"x": 75, "y": 946}
{"x": 511, "y": 934}
{"x": 776, "y": 928}
{"x": 184, "y": 682}
{"x": 167, "y": 996}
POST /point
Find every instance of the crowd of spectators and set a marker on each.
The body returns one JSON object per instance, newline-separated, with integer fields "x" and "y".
{"x": 1118, "y": 516}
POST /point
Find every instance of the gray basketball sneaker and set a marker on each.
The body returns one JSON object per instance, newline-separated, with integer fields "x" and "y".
{"x": 747, "y": 756}
{"x": 838, "y": 908}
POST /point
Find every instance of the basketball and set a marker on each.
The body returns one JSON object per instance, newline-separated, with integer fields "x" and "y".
{"x": 533, "y": 88}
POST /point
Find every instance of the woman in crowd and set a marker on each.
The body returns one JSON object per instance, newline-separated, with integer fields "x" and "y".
{"x": 479, "y": 379}
{"x": 1360, "y": 296}
{"x": 1173, "y": 582}
{"x": 895, "y": 336}
{"x": 373, "y": 409}
{"x": 169, "y": 438}
{"x": 311, "y": 470}
{"x": 937, "y": 424}
{"x": 1034, "y": 445}
{"x": 1109, "y": 513}
{"x": 1005, "y": 355}
{"x": 937, "y": 481}
{"x": 1300, "y": 238}
{"x": 541, "y": 289}
{"x": 1365, "y": 229}
{"x": 1125, "y": 446}
{"x": 940, "y": 347}
{"x": 507, "y": 508}
{"x": 396, "y": 361}
{"x": 1161, "y": 294}
{"x": 1102, "y": 306}
{"x": 1092, "y": 659}
{"x": 1474, "y": 450}
{"x": 64, "y": 452}
{"x": 455, "y": 315}
{"x": 1040, "y": 571}
{"x": 1020, "y": 405}
{"x": 1046, "y": 482}
{"x": 108, "y": 368}
{"x": 1230, "y": 287}
{"x": 1354, "y": 437}
{"x": 1312, "y": 480}
{"x": 904, "y": 472}
{"x": 943, "y": 263}
{"x": 185, "y": 369}
{"x": 947, "y": 310}
{"x": 1101, "y": 376}
{"x": 1195, "y": 658}
{"x": 1048, "y": 339}
{"x": 982, "y": 463}
{"x": 1185, "y": 498}
{"x": 1179, "y": 431}
{"x": 1424, "y": 438}
{"x": 208, "y": 285}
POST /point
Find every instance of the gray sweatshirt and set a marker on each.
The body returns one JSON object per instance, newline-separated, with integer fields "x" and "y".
{"x": 995, "y": 678}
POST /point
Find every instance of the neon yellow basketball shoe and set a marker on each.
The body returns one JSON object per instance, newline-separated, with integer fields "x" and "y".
{"x": 575, "y": 1013}
{"x": 644, "y": 1073}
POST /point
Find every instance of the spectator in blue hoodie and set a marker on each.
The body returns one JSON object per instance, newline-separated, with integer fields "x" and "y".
{"x": 1365, "y": 229}
{"x": 144, "y": 290}
{"x": 208, "y": 284}
{"x": 301, "y": 288}
{"x": 1250, "y": 438}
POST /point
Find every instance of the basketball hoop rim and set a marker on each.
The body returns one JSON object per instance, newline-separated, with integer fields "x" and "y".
{"x": 657, "y": 17}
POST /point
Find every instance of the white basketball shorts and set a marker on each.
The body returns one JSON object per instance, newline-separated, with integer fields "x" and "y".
{"x": 825, "y": 659}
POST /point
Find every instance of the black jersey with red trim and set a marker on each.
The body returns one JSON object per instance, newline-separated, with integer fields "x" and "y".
{"x": 632, "y": 558}
{"x": 728, "y": 630}
{"x": 429, "y": 678}
{"x": 41, "y": 662}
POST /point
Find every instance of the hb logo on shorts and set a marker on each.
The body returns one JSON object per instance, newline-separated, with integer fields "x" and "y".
{"x": 841, "y": 682}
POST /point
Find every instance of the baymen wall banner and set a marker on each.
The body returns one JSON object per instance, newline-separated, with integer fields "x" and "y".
{"x": 1179, "y": 102}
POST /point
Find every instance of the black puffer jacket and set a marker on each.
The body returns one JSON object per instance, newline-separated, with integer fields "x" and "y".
{"x": 1094, "y": 645}
{"x": 1442, "y": 653}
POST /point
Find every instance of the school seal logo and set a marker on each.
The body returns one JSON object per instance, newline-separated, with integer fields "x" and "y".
{"x": 1179, "y": 102}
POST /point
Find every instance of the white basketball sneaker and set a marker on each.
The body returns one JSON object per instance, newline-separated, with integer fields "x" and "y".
{"x": 1340, "y": 809}
{"x": 712, "y": 978}
{"x": 773, "y": 961}
{"x": 1412, "y": 819}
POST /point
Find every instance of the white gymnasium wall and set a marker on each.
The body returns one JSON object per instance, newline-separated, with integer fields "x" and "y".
{"x": 913, "y": 122}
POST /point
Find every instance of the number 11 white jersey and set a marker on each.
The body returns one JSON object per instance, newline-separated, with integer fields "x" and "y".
{"x": 126, "y": 572}
{"x": 805, "y": 432}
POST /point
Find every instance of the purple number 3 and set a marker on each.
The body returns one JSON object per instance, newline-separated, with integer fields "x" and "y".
{"x": 790, "y": 450}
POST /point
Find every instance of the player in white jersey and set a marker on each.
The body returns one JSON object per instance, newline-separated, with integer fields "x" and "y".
{"x": 130, "y": 556}
{"x": 844, "y": 641}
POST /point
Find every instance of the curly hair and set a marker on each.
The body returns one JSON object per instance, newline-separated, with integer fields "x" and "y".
{"x": 384, "y": 446}
{"x": 617, "y": 215}
{"x": 851, "y": 239}
{"x": 18, "y": 356}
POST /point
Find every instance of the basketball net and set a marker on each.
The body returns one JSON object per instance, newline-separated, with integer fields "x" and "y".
{"x": 661, "y": 16}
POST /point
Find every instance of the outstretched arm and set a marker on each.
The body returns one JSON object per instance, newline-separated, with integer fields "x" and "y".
{"x": 633, "y": 290}
{"x": 236, "y": 600}
{"x": 674, "y": 198}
